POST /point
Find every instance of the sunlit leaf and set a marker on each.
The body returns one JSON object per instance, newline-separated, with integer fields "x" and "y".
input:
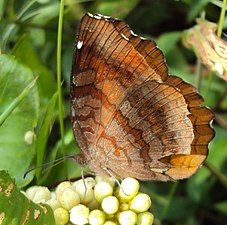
{"x": 116, "y": 8}
{"x": 15, "y": 208}
{"x": 26, "y": 53}
{"x": 16, "y": 153}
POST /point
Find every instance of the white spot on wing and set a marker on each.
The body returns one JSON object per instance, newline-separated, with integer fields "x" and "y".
{"x": 96, "y": 16}
{"x": 89, "y": 14}
{"x": 124, "y": 37}
{"x": 133, "y": 33}
{"x": 79, "y": 44}
{"x": 106, "y": 17}
{"x": 143, "y": 38}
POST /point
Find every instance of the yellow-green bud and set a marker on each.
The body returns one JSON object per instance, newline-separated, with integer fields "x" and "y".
{"x": 102, "y": 190}
{"x": 127, "y": 218}
{"x": 145, "y": 218}
{"x": 53, "y": 203}
{"x": 85, "y": 189}
{"x": 38, "y": 194}
{"x": 61, "y": 187}
{"x": 110, "y": 204}
{"x": 129, "y": 189}
{"x": 69, "y": 198}
{"x": 88, "y": 181}
{"x": 140, "y": 203}
{"x": 109, "y": 180}
{"x": 61, "y": 216}
{"x": 79, "y": 215}
{"x": 96, "y": 217}
{"x": 109, "y": 222}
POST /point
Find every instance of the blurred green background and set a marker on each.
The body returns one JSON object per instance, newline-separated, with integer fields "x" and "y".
{"x": 30, "y": 136}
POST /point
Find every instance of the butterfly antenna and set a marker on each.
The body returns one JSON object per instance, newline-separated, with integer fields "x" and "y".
{"x": 55, "y": 163}
{"x": 116, "y": 180}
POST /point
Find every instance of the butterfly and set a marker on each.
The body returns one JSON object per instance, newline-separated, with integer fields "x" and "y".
{"x": 131, "y": 118}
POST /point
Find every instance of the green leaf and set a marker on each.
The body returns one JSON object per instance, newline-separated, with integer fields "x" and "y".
{"x": 16, "y": 102}
{"x": 167, "y": 41}
{"x": 54, "y": 174}
{"x": 46, "y": 13}
{"x": 16, "y": 153}
{"x": 26, "y": 53}
{"x": 196, "y": 7}
{"x": 2, "y": 6}
{"x": 44, "y": 131}
{"x": 15, "y": 208}
{"x": 221, "y": 207}
{"x": 199, "y": 184}
{"x": 116, "y": 8}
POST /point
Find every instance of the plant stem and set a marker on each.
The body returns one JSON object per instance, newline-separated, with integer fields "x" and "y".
{"x": 210, "y": 78}
{"x": 59, "y": 45}
{"x": 220, "y": 176}
{"x": 199, "y": 64}
{"x": 170, "y": 198}
{"x": 199, "y": 74}
{"x": 221, "y": 19}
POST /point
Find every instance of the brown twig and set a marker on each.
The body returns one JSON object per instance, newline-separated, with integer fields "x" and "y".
{"x": 221, "y": 121}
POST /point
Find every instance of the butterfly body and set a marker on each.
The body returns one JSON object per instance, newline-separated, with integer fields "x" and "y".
{"x": 130, "y": 118}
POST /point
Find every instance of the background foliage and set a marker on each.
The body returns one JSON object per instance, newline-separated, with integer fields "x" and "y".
{"x": 30, "y": 135}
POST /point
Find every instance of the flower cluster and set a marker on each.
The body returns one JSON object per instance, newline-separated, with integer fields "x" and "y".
{"x": 96, "y": 201}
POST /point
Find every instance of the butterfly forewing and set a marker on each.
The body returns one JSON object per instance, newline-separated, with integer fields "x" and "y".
{"x": 129, "y": 116}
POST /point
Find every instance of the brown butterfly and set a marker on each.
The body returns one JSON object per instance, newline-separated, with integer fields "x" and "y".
{"x": 129, "y": 116}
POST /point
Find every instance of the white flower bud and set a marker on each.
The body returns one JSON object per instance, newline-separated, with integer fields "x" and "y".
{"x": 129, "y": 189}
{"x": 38, "y": 194}
{"x": 140, "y": 203}
{"x": 110, "y": 204}
{"x": 109, "y": 180}
{"x": 96, "y": 217}
{"x": 85, "y": 189}
{"x": 145, "y": 218}
{"x": 109, "y": 222}
{"x": 61, "y": 216}
{"x": 53, "y": 203}
{"x": 89, "y": 182}
{"x": 69, "y": 198}
{"x": 127, "y": 218}
{"x": 79, "y": 215}
{"x": 61, "y": 187}
{"x": 102, "y": 190}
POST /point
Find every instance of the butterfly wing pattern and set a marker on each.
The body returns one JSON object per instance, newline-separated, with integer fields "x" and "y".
{"x": 129, "y": 116}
